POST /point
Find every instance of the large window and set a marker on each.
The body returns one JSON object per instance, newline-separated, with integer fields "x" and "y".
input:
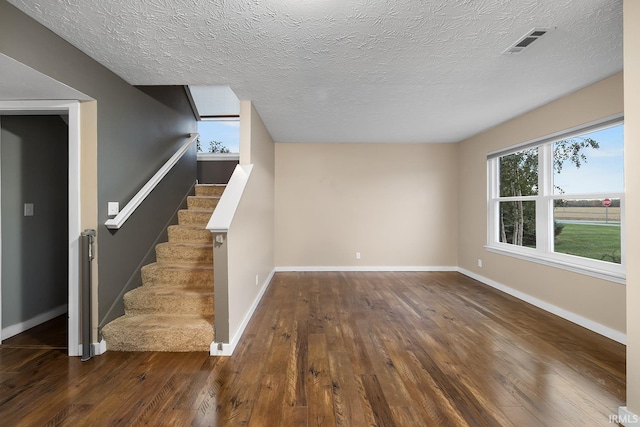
{"x": 560, "y": 200}
{"x": 217, "y": 109}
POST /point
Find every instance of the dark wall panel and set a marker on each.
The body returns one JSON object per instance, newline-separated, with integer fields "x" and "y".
{"x": 172, "y": 96}
{"x": 216, "y": 172}
{"x": 34, "y": 170}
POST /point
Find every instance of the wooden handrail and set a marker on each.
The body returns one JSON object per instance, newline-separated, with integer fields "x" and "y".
{"x": 117, "y": 222}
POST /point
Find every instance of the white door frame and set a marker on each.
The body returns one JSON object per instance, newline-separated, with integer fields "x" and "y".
{"x": 72, "y": 108}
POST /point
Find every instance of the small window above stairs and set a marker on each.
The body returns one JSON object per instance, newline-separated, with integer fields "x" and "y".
{"x": 173, "y": 309}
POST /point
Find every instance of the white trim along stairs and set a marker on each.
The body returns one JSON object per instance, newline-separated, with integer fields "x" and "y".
{"x": 173, "y": 309}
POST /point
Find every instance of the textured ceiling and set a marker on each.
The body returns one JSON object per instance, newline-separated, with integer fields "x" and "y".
{"x": 353, "y": 70}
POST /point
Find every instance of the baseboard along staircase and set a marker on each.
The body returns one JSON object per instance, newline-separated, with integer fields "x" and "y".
{"x": 173, "y": 309}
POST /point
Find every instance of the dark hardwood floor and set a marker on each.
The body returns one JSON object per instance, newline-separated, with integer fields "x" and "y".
{"x": 48, "y": 335}
{"x": 348, "y": 349}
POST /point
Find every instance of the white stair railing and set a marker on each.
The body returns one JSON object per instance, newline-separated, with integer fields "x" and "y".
{"x": 117, "y": 222}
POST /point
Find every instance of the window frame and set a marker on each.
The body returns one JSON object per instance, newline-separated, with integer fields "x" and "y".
{"x": 544, "y": 252}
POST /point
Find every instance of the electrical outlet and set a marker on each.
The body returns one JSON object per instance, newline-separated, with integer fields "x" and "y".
{"x": 479, "y": 263}
{"x": 113, "y": 208}
{"x": 357, "y": 255}
{"x": 28, "y": 209}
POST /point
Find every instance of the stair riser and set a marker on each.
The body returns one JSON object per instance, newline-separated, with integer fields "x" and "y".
{"x": 202, "y": 203}
{"x": 168, "y": 344}
{"x": 150, "y": 340}
{"x": 193, "y": 217}
{"x": 176, "y": 277}
{"x": 184, "y": 254}
{"x": 209, "y": 190}
{"x": 152, "y": 303}
{"x": 183, "y": 234}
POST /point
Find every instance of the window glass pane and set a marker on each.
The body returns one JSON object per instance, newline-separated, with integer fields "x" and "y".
{"x": 519, "y": 173}
{"x": 588, "y": 228}
{"x": 219, "y": 136}
{"x": 218, "y": 100}
{"x": 590, "y": 163}
{"x": 518, "y": 223}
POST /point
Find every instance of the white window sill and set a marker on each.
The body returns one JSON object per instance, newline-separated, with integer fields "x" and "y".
{"x": 552, "y": 261}
{"x": 216, "y": 157}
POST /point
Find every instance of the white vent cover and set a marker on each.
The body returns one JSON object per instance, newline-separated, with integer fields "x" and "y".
{"x": 526, "y": 40}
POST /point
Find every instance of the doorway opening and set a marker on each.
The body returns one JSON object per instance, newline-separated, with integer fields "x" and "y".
{"x": 71, "y": 229}
{"x": 34, "y": 222}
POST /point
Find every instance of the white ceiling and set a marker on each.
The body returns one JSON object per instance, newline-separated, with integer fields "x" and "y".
{"x": 353, "y": 70}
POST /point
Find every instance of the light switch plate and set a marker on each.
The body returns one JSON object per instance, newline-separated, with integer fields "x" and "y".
{"x": 28, "y": 209}
{"x": 113, "y": 208}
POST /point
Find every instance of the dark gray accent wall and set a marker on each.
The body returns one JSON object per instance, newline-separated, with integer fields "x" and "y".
{"x": 216, "y": 171}
{"x": 172, "y": 96}
{"x": 136, "y": 135}
{"x": 34, "y": 169}
{"x": 148, "y": 225}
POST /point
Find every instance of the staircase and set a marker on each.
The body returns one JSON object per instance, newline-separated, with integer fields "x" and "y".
{"x": 173, "y": 309}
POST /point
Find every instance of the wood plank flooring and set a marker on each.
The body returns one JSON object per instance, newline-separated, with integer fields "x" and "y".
{"x": 342, "y": 349}
{"x": 48, "y": 335}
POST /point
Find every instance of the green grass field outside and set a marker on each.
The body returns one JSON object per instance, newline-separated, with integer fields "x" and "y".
{"x": 590, "y": 241}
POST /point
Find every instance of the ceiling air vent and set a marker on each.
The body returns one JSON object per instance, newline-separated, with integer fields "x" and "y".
{"x": 526, "y": 40}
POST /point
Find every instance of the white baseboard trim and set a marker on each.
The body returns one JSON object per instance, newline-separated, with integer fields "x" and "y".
{"x": 625, "y": 417}
{"x": 364, "y": 268}
{"x": 561, "y": 312}
{"x": 18, "y": 328}
{"x": 97, "y": 348}
{"x": 227, "y": 349}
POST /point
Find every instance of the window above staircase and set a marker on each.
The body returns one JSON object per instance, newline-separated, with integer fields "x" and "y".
{"x": 217, "y": 109}
{"x": 214, "y": 102}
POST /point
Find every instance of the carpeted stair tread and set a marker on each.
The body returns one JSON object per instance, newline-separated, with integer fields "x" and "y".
{"x": 194, "y": 217}
{"x": 169, "y": 299}
{"x": 210, "y": 190}
{"x": 189, "y": 234}
{"x": 202, "y": 202}
{"x": 184, "y": 253}
{"x": 153, "y": 332}
{"x": 177, "y": 275}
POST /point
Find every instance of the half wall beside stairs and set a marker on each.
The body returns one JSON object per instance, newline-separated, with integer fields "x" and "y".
{"x": 247, "y": 231}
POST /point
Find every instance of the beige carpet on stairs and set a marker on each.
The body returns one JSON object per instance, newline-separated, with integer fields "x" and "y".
{"x": 173, "y": 309}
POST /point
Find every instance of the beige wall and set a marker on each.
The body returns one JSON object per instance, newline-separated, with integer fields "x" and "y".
{"x": 250, "y": 236}
{"x": 597, "y": 300}
{"x": 396, "y": 204}
{"x": 89, "y": 190}
{"x": 632, "y": 184}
